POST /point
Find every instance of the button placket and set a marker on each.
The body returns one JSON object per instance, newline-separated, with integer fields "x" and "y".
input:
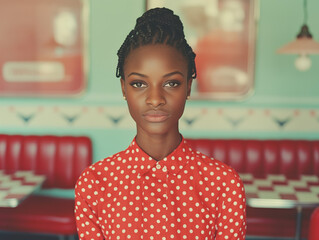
{"x": 155, "y": 200}
{"x": 165, "y": 204}
{"x": 159, "y": 199}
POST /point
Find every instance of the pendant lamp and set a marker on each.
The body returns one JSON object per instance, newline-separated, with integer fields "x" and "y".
{"x": 303, "y": 45}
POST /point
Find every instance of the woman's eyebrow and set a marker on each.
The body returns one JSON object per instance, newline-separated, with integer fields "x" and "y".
{"x": 173, "y": 73}
{"x": 166, "y": 75}
{"x": 138, "y": 74}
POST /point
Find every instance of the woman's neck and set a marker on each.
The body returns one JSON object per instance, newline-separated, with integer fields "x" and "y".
{"x": 158, "y": 146}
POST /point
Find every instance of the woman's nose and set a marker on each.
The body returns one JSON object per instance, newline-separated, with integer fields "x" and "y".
{"x": 155, "y": 97}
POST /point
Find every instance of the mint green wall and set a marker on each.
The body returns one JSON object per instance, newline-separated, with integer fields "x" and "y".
{"x": 277, "y": 82}
{"x": 110, "y": 23}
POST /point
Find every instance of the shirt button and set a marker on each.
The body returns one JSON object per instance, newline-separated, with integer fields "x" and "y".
{"x": 164, "y": 169}
{"x": 158, "y": 166}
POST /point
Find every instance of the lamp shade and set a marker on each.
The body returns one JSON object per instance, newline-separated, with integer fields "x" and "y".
{"x": 303, "y": 45}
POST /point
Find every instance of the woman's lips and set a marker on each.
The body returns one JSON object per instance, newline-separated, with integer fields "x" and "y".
{"x": 155, "y": 116}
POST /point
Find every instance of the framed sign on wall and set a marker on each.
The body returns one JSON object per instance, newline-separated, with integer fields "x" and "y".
{"x": 43, "y": 47}
{"x": 223, "y": 35}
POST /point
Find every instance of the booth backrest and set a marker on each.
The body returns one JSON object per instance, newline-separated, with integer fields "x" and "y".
{"x": 260, "y": 157}
{"x": 60, "y": 158}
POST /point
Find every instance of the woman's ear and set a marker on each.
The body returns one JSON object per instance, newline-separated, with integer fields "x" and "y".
{"x": 123, "y": 87}
{"x": 189, "y": 86}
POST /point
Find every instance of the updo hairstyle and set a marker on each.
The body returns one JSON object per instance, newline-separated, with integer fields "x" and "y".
{"x": 157, "y": 26}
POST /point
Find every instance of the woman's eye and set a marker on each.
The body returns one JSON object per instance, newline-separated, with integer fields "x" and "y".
{"x": 172, "y": 84}
{"x": 138, "y": 84}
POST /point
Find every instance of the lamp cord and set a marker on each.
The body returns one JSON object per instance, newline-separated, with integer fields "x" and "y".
{"x": 304, "y": 32}
{"x": 305, "y": 20}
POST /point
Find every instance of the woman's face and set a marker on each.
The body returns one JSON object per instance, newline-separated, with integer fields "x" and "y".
{"x": 156, "y": 86}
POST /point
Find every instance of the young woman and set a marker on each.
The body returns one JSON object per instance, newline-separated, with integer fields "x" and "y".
{"x": 158, "y": 188}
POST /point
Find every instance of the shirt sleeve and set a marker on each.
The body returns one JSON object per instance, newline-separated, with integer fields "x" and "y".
{"x": 231, "y": 223}
{"x": 87, "y": 221}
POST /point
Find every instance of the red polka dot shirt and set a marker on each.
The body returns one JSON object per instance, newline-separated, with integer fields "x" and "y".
{"x": 186, "y": 195}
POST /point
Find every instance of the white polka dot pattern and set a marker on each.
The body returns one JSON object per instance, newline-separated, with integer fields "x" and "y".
{"x": 186, "y": 195}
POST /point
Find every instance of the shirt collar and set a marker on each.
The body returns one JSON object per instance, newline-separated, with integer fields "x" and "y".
{"x": 173, "y": 163}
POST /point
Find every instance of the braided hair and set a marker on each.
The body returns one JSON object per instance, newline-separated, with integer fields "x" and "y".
{"x": 157, "y": 26}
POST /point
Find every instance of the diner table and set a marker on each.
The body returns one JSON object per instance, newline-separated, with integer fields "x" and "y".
{"x": 277, "y": 191}
{"x": 17, "y": 186}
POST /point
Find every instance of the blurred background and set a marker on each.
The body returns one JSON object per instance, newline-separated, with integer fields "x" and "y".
{"x": 282, "y": 102}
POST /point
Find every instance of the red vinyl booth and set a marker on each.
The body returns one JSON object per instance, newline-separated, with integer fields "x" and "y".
{"x": 61, "y": 159}
{"x": 314, "y": 226}
{"x": 259, "y": 157}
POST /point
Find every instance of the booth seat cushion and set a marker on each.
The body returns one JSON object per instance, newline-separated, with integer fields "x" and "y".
{"x": 259, "y": 157}
{"x": 60, "y": 158}
{"x": 40, "y": 214}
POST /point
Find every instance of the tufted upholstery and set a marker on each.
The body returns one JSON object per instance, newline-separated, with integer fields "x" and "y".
{"x": 259, "y": 157}
{"x": 61, "y": 159}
